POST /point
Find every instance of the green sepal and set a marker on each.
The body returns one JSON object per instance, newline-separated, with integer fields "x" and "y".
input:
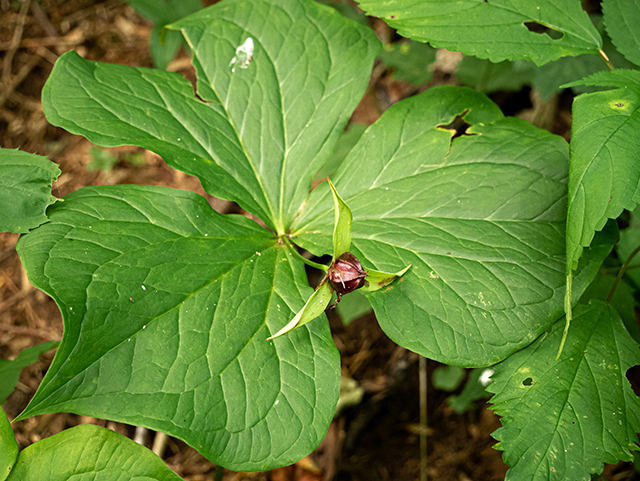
{"x": 377, "y": 280}
{"x": 314, "y": 307}
{"x": 342, "y": 225}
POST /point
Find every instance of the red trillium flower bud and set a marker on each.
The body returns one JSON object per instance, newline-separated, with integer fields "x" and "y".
{"x": 346, "y": 274}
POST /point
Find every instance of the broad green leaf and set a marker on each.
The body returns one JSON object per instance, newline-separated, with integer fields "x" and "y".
{"x": 604, "y": 175}
{"x": 89, "y": 452}
{"x": 255, "y": 135}
{"x": 8, "y": 446}
{"x": 166, "y": 306}
{"x": 621, "y": 18}
{"x": 10, "y": 370}
{"x": 347, "y": 140}
{"x": 341, "y": 224}
{"x": 493, "y": 29}
{"x": 315, "y": 306}
{"x": 563, "y": 419}
{"x": 409, "y": 60}
{"x": 480, "y": 219}
{"x": 25, "y": 190}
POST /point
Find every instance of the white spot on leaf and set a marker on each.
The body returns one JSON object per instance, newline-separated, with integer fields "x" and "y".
{"x": 244, "y": 54}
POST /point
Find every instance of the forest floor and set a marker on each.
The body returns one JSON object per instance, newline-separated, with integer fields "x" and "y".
{"x": 377, "y": 439}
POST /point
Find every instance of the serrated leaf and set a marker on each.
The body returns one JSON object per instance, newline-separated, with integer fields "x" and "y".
{"x": 10, "y": 370}
{"x": 8, "y": 446}
{"x": 480, "y": 219}
{"x": 621, "y": 18}
{"x": 604, "y": 175}
{"x": 493, "y": 29}
{"x": 260, "y": 133}
{"x": 167, "y": 306}
{"x": 25, "y": 190}
{"x": 564, "y": 419}
{"x": 621, "y": 78}
{"x": 89, "y": 452}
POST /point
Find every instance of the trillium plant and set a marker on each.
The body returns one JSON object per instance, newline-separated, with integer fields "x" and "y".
{"x": 476, "y": 247}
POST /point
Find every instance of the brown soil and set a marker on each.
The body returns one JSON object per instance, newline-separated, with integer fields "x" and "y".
{"x": 377, "y": 439}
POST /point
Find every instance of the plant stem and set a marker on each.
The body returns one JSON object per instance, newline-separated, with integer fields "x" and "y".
{"x": 219, "y": 473}
{"x": 298, "y": 256}
{"x": 606, "y": 59}
{"x": 623, "y": 269}
{"x": 422, "y": 368}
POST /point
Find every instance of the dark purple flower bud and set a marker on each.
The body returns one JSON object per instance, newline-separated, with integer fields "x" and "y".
{"x": 346, "y": 274}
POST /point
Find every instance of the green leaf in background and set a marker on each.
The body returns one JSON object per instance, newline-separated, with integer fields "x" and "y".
{"x": 622, "y": 300}
{"x": 562, "y": 420}
{"x": 474, "y": 390}
{"x": 493, "y": 29}
{"x": 409, "y": 60}
{"x": 10, "y": 370}
{"x": 486, "y": 76}
{"x": 166, "y": 307}
{"x": 629, "y": 241}
{"x": 262, "y": 132}
{"x": 352, "y": 307}
{"x": 604, "y": 175}
{"x": 25, "y": 190}
{"x": 621, "y": 18}
{"x": 8, "y": 446}
{"x": 480, "y": 219}
{"x": 447, "y": 378}
{"x": 89, "y": 452}
{"x": 162, "y": 13}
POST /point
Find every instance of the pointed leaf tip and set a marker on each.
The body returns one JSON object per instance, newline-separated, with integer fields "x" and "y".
{"x": 377, "y": 280}
{"x": 342, "y": 225}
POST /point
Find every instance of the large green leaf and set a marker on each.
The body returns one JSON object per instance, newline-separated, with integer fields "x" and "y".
{"x": 89, "y": 452}
{"x": 10, "y": 370}
{"x": 25, "y": 190}
{"x": 167, "y": 306}
{"x": 260, "y": 133}
{"x": 493, "y": 29}
{"x": 8, "y": 446}
{"x": 563, "y": 419}
{"x": 621, "y": 18}
{"x": 480, "y": 219}
{"x": 604, "y": 177}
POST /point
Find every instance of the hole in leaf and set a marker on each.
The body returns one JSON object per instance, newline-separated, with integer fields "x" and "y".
{"x": 458, "y": 124}
{"x": 527, "y": 382}
{"x": 536, "y": 27}
{"x": 633, "y": 375}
